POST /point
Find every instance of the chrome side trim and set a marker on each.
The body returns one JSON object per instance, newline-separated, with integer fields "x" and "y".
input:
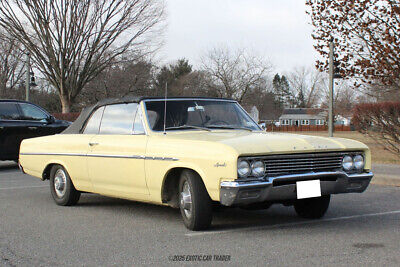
{"x": 102, "y": 156}
{"x": 161, "y": 158}
{"x": 114, "y": 156}
{"x": 53, "y": 154}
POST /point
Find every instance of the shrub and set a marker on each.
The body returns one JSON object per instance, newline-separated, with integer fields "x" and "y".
{"x": 381, "y": 122}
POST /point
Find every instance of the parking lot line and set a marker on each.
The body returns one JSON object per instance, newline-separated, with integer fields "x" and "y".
{"x": 293, "y": 223}
{"x": 22, "y": 187}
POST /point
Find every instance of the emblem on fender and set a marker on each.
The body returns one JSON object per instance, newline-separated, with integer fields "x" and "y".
{"x": 219, "y": 164}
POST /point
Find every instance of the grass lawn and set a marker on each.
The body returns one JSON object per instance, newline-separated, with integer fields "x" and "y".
{"x": 379, "y": 154}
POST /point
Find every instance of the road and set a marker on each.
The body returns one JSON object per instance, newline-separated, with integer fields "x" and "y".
{"x": 359, "y": 229}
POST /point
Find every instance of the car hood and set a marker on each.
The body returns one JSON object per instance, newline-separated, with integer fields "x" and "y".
{"x": 257, "y": 143}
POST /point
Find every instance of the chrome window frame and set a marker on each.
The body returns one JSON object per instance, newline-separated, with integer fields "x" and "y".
{"x": 141, "y": 120}
{"x": 88, "y": 119}
{"x": 133, "y": 122}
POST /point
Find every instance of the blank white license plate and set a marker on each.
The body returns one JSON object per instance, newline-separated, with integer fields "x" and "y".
{"x": 308, "y": 189}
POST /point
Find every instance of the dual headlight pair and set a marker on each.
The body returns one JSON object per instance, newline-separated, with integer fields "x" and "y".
{"x": 355, "y": 162}
{"x": 254, "y": 169}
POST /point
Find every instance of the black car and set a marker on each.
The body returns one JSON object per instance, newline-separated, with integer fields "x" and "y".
{"x": 20, "y": 120}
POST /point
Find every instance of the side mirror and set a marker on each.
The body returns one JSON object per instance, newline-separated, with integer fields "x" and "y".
{"x": 51, "y": 119}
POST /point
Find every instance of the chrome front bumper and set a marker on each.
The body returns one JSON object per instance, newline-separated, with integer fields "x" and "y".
{"x": 282, "y": 188}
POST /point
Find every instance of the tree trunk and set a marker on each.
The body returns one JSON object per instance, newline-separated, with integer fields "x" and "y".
{"x": 65, "y": 104}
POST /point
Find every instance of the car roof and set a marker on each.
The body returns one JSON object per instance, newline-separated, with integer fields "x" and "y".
{"x": 77, "y": 126}
{"x": 14, "y": 100}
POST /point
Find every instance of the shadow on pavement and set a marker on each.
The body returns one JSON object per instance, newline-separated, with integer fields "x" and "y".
{"x": 223, "y": 218}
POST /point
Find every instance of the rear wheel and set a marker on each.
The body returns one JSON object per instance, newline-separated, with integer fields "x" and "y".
{"x": 312, "y": 208}
{"x": 194, "y": 202}
{"x": 61, "y": 187}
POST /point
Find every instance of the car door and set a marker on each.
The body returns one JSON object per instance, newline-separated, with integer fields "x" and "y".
{"x": 12, "y": 130}
{"x": 116, "y": 156}
{"x": 36, "y": 120}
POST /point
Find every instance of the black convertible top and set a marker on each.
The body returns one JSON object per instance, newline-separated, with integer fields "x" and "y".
{"x": 77, "y": 125}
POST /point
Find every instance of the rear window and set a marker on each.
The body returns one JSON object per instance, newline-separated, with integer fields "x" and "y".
{"x": 118, "y": 119}
{"x": 9, "y": 111}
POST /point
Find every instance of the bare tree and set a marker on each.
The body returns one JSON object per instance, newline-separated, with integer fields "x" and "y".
{"x": 11, "y": 64}
{"x": 306, "y": 86}
{"x": 72, "y": 41}
{"x": 366, "y": 35}
{"x": 195, "y": 83}
{"x": 130, "y": 76}
{"x": 344, "y": 99}
{"x": 234, "y": 74}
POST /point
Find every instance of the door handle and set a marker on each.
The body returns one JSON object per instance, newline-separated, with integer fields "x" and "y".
{"x": 32, "y": 128}
{"x": 93, "y": 144}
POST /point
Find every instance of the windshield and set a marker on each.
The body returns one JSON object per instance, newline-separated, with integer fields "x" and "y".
{"x": 198, "y": 114}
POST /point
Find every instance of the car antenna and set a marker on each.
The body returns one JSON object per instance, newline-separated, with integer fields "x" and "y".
{"x": 165, "y": 106}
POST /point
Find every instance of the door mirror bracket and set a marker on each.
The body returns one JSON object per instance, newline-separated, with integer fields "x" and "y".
{"x": 51, "y": 119}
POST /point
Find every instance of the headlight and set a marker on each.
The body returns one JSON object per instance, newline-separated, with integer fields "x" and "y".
{"x": 244, "y": 169}
{"x": 257, "y": 168}
{"x": 347, "y": 163}
{"x": 359, "y": 162}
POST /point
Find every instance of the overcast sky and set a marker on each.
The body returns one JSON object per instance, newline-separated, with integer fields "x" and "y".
{"x": 276, "y": 29}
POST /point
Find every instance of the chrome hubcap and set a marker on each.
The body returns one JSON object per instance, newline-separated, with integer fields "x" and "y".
{"x": 60, "y": 181}
{"x": 186, "y": 200}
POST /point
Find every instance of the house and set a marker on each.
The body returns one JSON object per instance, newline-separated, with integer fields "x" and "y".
{"x": 255, "y": 114}
{"x": 343, "y": 120}
{"x": 303, "y": 116}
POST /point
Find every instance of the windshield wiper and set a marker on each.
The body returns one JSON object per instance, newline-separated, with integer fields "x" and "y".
{"x": 229, "y": 127}
{"x": 188, "y": 127}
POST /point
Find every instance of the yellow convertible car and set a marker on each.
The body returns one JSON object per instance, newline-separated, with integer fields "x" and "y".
{"x": 191, "y": 153}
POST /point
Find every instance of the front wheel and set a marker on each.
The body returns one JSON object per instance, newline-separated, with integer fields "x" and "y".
{"x": 61, "y": 187}
{"x": 194, "y": 202}
{"x": 312, "y": 208}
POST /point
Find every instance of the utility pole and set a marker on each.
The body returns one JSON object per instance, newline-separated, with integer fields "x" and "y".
{"x": 331, "y": 76}
{"x": 28, "y": 76}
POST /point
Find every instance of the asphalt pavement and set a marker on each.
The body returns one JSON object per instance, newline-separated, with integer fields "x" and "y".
{"x": 358, "y": 229}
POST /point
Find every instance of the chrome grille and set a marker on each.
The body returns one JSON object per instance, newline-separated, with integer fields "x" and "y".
{"x": 301, "y": 163}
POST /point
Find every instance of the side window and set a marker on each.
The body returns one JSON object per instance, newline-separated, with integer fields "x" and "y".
{"x": 31, "y": 112}
{"x": 93, "y": 125}
{"x": 9, "y": 111}
{"x": 118, "y": 119}
{"x": 138, "y": 124}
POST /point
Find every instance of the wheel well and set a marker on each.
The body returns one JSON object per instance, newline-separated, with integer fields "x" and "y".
{"x": 169, "y": 191}
{"x": 46, "y": 172}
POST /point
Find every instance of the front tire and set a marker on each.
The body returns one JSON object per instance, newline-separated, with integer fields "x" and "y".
{"x": 62, "y": 188}
{"x": 312, "y": 208}
{"x": 194, "y": 202}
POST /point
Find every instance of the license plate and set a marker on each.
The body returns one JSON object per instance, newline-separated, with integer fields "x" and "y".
{"x": 308, "y": 189}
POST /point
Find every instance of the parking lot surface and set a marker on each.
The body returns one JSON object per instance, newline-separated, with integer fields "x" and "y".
{"x": 358, "y": 229}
